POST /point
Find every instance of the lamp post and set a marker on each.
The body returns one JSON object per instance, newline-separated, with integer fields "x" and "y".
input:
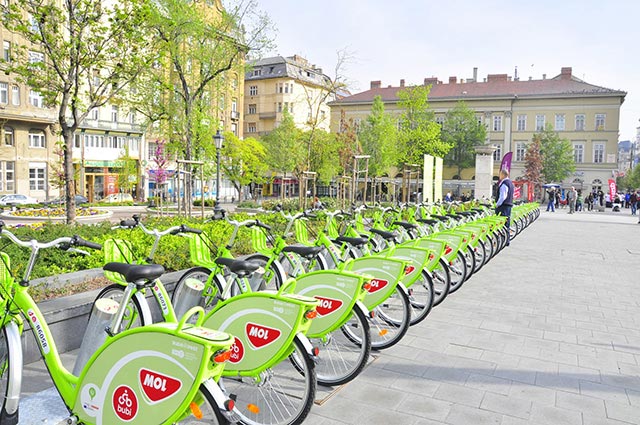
{"x": 218, "y": 138}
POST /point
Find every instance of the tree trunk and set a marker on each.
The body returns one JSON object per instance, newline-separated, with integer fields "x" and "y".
{"x": 69, "y": 177}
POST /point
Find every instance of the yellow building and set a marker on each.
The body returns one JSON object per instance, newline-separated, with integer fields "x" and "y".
{"x": 278, "y": 83}
{"x": 513, "y": 111}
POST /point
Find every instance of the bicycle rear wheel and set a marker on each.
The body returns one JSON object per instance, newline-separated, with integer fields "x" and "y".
{"x": 421, "y": 297}
{"x": 344, "y": 352}
{"x": 207, "y": 408}
{"x": 210, "y": 293}
{"x": 390, "y": 320}
{"x": 280, "y": 395}
{"x": 458, "y": 269}
{"x": 441, "y": 281}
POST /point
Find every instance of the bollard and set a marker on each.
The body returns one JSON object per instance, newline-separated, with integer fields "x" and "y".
{"x": 95, "y": 335}
{"x": 189, "y": 295}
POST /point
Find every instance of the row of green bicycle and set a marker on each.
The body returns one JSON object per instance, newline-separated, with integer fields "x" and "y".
{"x": 288, "y": 333}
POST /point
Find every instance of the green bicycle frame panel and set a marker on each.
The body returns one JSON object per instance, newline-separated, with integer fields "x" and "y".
{"x": 386, "y": 272}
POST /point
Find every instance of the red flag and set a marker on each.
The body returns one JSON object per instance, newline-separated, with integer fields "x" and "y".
{"x": 612, "y": 189}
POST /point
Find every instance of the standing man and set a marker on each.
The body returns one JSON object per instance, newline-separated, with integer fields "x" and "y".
{"x": 572, "y": 196}
{"x": 552, "y": 199}
{"x": 505, "y": 200}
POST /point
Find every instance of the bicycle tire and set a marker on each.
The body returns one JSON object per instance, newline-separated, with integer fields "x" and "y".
{"x": 6, "y": 377}
{"x": 133, "y": 316}
{"x": 344, "y": 352}
{"x": 258, "y": 281}
{"x": 480, "y": 253}
{"x": 210, "y": 411}
{"x": 211, "y": 292}
{"x": 458, "y": 269}
{"x": 283, "y": 394}
{"x": 421, "y": 296}
{"x": 441, "y": 281}
{"x": 470, "y": 261}
{"x": 389, "y": 321}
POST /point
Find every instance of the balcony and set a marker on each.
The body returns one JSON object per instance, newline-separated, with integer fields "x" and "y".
{"x": 104, "y": 125}
{"x": 235, "y": 115}
{"x": 268, "y": 115}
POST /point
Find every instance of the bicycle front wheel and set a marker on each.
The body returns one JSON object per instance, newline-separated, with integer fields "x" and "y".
{"x": 207, "y": 410}
{"x": 210, "y": 293}
{"x": 441, "y": 281}
{"x": 390, "y": 320}
{"x": 8, "y": 369}
{"x": 344, "y": 352}
{"x": 421, "y": 297}
{"x": 133, "y": 316}
{"x": 280, "y": 395}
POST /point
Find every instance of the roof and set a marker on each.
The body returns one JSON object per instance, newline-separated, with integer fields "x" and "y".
{"x": 295, "y": 67}
{"x": 496, "y": 86}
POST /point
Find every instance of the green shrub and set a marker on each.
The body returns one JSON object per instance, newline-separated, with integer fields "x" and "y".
{"x": 207, "y": 202}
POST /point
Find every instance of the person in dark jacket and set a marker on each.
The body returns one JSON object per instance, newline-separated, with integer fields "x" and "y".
{"x": 505, "y": 198}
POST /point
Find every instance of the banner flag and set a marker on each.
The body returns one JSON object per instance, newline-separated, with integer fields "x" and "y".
{"x": 506, "y": 162}
{"x": 437, "y": 181}
{"x": 612, "y": 189}
{"x": 427, "y": 180}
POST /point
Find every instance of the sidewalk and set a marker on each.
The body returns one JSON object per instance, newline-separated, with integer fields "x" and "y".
{"x": 547, "y": 333}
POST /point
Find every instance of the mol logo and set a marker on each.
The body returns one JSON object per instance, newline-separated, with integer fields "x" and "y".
{"x": 377, "y": 284}
{"x": 327, "y": 305}
{"x": 157, "y": 386}
{"x": 261, "y": 336}
{"x": 409, "y": 270}
{"x": 237, "y": 351}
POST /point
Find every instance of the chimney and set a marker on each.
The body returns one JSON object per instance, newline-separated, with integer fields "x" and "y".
{"x": 453, "y": 80}
{"x": 565, "y": 73}
{"x": 376, "y": 84}
{"x": 475, "y": 74}
{"x": 430, "y": 81}
{"x": 497, "y": 78}
{"x": 544, "y": 76}
{"x": 402, "y": 83}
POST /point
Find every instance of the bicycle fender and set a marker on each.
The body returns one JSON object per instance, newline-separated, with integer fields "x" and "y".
{"x": 403, "y": 288}
{"x": 144, "y": 307}
{"x": 220, "y": 399}
{"x": 305, "y": 343}
{"x": 15, "y": 384}
{"x": 360, "y": 306}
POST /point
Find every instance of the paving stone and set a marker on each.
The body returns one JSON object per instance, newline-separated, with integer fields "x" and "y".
{"x": 589, "y": 406}
{"x": 604, "y": 392}
{"x": 489, "y": 383}
{"x": 425, "y": 407}
{"x": 622, "y": 412}
{"x": 554, "y": 416}
{"x": 459, "y": 394}
{"x": 463, "y": 415}
{"x": 506, "y": 405}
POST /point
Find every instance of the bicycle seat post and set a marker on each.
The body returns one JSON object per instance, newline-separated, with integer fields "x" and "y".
{"x": 114, "y": 329}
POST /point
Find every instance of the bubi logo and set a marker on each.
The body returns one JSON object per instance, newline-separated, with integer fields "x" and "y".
{"x": 327, "y": 305}
{"x": 408, "y": 270}
{"x": 377, "y": 284}
{"x": 156, "y": 386}
{"x": 261, "y": 336}
{"x": 125, "y": 403}
{"x": 237, "y": 351}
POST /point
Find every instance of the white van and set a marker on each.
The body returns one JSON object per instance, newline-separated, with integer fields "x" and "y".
{"x": 118, "y": 197}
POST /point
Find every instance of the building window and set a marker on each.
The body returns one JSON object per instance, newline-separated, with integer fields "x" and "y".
{"x": 114, "y": 114}
{"x": 497, "y": 123}
{"x": 7, "y": 175}
{"x": 579, "y": 122}
{"x": 251, "y": 127}
{"x": 95, "y": 113}
{"x": 279, "y": 87}
{"x": 559, "y": 122}
{"x": 35, "y": 57}
{"x": 132, "y": 117}
{"x": 37, "y": 176}
{"x": 6, "y": 51}
{"x": 540, "y": 121}
{"x": 440, "y": 121}
{"x": 234, "y": 105}
{"x": 578, "y": 153}
{"x": 257, "y": 72}
{"x": 600, "y": 118}
{"x": 279, "y": 107}
{"x": 4, "y": 93}
{"x": 286, "y": 88}
{"x": 497, "y": 154}
{"x": 598, "y": 153}
{"x": 15, "y": 95}
{"x": 35, "y": 99}
{"x": 223, "y": 102}
{"x": 37, "y": 139}
{"x": 522, "y": 123}
{"x": 521, "y": 149}
{"x": 252, "y": 109}
{"x": 8, "y": 136}
{"x": 234, "y": 129}
{"x": 253, "y": 90}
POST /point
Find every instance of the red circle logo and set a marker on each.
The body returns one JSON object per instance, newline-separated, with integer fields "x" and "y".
{"x": 237, "y": 351}
{"x": 125, "y": 403}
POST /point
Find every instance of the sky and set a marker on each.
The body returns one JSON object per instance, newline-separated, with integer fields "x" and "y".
{"x": 414, "y": 39}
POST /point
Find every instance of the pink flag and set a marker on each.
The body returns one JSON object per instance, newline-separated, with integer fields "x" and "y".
{"x": 612, "y": 189}
{"x": 506, "y": 162}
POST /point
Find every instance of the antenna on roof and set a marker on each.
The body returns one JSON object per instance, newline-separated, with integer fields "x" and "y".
{"x": 515, "y": 74}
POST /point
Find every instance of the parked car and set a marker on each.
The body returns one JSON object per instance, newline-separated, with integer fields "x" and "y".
{"x": 17, "y": 199}
{"x": 61, "y": 200}
{"x": 118, "y": 197}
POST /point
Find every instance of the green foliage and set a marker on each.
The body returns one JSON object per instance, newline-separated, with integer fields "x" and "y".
{"x": 324, "y": 150}
{"x": 284, "y": 149}
{"x": 244, "y": 161}
{"x": 462, "y": 132}
{"x": 557, "y": 156}
{"x": 127, "y": 177}
{"x": 379, "y": 138}
{"x": 207, "y": 202}
{"x": 533, "y": 161}
{"x": 419, "y": 134}
{"x": 632, "y": 179}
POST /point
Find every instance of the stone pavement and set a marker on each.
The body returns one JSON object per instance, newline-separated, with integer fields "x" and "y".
{"x": 548, "y": 332}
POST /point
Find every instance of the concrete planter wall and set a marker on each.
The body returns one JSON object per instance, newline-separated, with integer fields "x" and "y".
{"x": 67, "y": 316}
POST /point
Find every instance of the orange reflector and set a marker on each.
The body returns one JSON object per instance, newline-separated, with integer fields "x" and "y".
{"x": 447, "y": 250}
{"x": 253, "y": 408}
{"x": 311, "y": 314}
{"x": 222, "y": 357}
{"x": 195, "y": 410}
{"x": 383, "y": 332}
{"x": 431, "y": 257}
{"x": 366, "y": 286}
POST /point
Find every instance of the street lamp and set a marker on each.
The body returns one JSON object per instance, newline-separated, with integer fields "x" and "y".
{"x": 218, "y": 138}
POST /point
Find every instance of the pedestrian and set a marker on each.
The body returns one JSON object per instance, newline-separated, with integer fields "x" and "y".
{"x": 633, "y": 200}
{"x": 589, "y": 202}
{"x": 317, "y": 205}
{"x": 572, "y": 197}
{"x": 505, "y": 199}
{"x": 601, "y": 197}
{"x": 552, "y": 199}
{"x": 579, "y": 201}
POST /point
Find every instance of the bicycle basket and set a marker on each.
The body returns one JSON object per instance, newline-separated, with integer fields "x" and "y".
{"x": 118, "y": 251}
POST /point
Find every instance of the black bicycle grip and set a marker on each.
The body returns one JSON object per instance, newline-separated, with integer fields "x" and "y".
{"x": 128, "y": 223}
{"x": 78, "y": 241}
{"x": 187, "y": 229}
{"x": 263, "y": 225}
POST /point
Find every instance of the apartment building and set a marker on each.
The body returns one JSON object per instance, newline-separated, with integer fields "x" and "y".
{"x": 278, "y": 83}
{"x": 513, "y": 110}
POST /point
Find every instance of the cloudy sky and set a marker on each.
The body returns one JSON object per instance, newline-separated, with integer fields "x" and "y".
{"x": 414, "y": 39}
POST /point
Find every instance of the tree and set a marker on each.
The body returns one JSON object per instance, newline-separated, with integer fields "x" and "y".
{"x": 127, "y": 177}
{"x": 632, "y": 178}
{"x": 324, "y": 150}
{"x": 557, "y": 156}
{"x": 463, "y": 132}
{"x": 78, "y": 56}
{"x": 285, "y": 150}
{"x": 244, "y": 161}
{"x": 419, "y": 134}
{"x": 533, "y": 163}
{"x": 379, "y": 137}
{"x": 197, "y": 45}
{"x": 161, "y": 158}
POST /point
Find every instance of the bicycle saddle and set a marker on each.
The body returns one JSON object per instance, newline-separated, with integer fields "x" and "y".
{"x": 428, "y": 221}
{"x": 352, "y": 241}
{"x": 389, "y": 236}
{"x": 239, "y": 267}
{"x": 404, "y": 224}
{"x": 308, "y": 252}
{"x": 136, "y": 272}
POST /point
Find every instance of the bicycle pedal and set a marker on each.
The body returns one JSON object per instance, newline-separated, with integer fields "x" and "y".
{"x": 71, "y": 420}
